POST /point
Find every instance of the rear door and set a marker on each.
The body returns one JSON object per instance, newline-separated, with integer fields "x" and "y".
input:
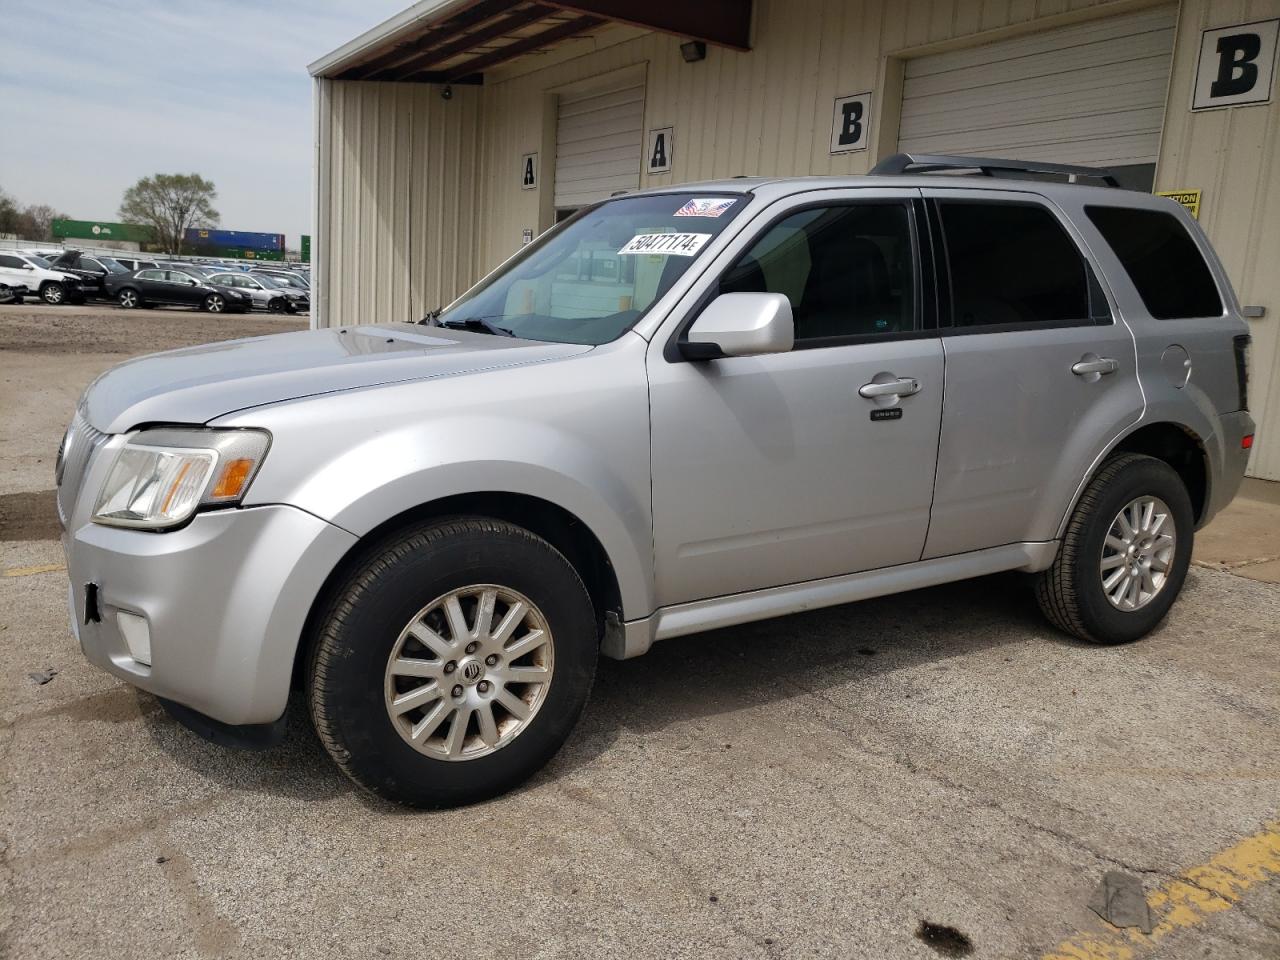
{"x": 1040, "y": 370}
{"x": 12, "y": 272}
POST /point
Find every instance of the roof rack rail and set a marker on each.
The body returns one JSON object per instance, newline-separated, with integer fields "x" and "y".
{"x": 901, "y": 163}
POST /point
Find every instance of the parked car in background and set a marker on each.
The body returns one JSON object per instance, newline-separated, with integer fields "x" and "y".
{"x": 147, "y": 288}
{"x": 11, "y": 294}
{"x": 267, "y": 294}
{"x": 91, "y": 270}
{"x": 39, "y": 277}
{"x": 289, "y": 278}
{"x": 134, "y": 263}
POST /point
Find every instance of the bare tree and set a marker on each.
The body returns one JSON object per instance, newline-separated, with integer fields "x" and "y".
{"x": 35, "y": 222}
{"x": 170, "y": 204}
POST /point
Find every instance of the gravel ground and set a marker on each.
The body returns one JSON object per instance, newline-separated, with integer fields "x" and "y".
{"x": 815, "y": 786}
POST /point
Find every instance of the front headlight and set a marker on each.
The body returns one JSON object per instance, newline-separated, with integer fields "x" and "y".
{"x": 161, "y": 477}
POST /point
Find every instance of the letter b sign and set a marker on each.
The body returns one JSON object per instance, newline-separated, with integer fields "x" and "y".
{"x": 1237, "y": 65}
{"x": 851, "y": 123}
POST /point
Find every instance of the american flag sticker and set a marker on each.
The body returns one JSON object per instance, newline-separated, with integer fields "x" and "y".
{"x": 706, "y": 207}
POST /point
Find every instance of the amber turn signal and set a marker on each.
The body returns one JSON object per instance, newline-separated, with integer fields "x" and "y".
{"x": 232, "y": 480}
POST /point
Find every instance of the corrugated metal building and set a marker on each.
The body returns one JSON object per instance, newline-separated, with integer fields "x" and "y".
{"x": 454, "y": 131}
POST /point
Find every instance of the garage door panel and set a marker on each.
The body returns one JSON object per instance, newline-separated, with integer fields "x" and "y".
{"x": 1090, "y": 93}
{"x": 1076, "y": 61}
{"x": 599, "y": 142}
{"x": 1117, "y": 28}
{"x": 1129, "y": 80}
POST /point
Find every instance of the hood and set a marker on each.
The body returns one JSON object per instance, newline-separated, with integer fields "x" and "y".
{"x": 199, "y": 384}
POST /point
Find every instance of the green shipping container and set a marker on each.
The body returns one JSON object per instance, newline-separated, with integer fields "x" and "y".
{"x": 100, "y": 230}
{"x": 306, "y": 248}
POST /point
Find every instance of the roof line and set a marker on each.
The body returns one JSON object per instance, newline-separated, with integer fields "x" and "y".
{"x": 402, "y": 22}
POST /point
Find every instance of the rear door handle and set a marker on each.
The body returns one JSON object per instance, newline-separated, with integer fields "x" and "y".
{"x": 1103, "y": 365}
{"x": 902, "y": 387}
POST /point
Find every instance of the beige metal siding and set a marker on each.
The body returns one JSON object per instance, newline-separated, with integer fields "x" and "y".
{"x": 1089, "y": 93}
{"x": 396, "y": 200}
{"x": 599, "y": 138}
{"x": 1233, "y": 156}
{"x": 412, "y": 184}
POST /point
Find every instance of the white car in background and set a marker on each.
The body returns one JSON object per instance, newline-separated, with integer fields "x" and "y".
{"x": 266, "y": 293}
{"x": 39, "y": 278}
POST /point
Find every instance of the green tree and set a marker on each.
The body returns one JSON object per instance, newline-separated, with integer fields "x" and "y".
{"x": 8, "y": 213}
{"x": 170, "y": 204}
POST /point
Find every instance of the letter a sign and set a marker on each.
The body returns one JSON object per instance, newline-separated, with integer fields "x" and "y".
{"x": 1237, "y": 65}
{"x": 659, "y": 156}
{"x": 529, "y": 171}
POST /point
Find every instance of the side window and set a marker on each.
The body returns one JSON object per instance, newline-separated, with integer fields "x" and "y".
{"x": 8, "y": 261}
{"x": 1162, "y": 261}
{"x": 151, "y": 275}
{"x": 848, "y": 270}
{"x": 1012, "y": 264}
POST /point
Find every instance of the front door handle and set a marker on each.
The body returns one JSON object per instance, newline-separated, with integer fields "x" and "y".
{"x": 1102, "y": 365}
{"x": 902, "y": 387}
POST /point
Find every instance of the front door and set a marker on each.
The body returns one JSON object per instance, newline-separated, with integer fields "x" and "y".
{"x": 1040, "y": 372}
{"x": 819, "y": 462}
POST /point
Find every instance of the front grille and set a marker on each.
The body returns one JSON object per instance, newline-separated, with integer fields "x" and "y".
{"x": 79, "y": 446}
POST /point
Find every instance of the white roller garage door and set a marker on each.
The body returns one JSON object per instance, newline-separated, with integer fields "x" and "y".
{"x": 1091, "y": 93}
{"x": 598, "y": 145}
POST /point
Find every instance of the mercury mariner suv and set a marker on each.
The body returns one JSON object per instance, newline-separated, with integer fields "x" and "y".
{"x": 680, "y": 409}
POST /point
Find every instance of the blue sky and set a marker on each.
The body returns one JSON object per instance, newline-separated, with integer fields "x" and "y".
{"x": 98, "y": 93}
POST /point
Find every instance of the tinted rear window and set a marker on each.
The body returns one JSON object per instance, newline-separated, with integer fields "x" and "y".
{"x": 1162, "y": 261}
{"x": 1012, "y": 264}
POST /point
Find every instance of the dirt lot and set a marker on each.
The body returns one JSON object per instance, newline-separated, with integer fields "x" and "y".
{"x": 819, "y": 786}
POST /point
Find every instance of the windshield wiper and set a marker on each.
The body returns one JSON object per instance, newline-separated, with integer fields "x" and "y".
{"x": 477, "y": 325}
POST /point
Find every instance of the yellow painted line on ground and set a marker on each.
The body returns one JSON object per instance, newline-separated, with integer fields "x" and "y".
{"x": 1188, "y": 900}
{"x": 32, "y": 571}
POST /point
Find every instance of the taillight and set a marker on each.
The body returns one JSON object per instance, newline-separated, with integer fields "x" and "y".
{"x": 1242, "y": 368}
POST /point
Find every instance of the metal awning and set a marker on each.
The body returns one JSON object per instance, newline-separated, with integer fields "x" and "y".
{"x": 456, "y": 41}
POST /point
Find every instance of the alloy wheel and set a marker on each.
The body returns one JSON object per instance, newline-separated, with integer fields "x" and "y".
{"x": 1138, "y": 553}
{"x": 469, "y": 672}
{"x": 53, "y": 293}
{"x": 128, "y": 299}
{"x": 215, "y": 304}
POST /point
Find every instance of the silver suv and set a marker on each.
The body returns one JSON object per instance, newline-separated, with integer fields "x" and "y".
{"x": 680, "y": 409}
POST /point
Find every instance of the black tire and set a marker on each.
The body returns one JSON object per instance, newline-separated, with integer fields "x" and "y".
{"x": 1071, "y": 593}
{"x": 53, "y": 292}
{"x": 129, "y": 299}
{"x": 355, "y": 634}
{"x": 17, "y": 298}
{"x": 214, "y": 303}
{"x": 276, "y": 306}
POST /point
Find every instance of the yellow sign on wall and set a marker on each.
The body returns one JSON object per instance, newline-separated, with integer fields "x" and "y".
{"x": 1188, "y": 198}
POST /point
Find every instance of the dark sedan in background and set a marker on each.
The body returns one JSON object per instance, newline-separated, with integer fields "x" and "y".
{"x": 148, "y": 288}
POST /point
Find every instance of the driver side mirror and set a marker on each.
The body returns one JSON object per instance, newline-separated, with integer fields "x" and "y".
{"x": 741, "y": 325}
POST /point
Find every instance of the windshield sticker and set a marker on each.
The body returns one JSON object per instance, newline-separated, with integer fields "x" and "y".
{"x": 705, "y": 207}
{"x": 666, "y": 244}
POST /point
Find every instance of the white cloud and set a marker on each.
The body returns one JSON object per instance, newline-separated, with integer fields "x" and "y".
{"x": 100, "y": 93}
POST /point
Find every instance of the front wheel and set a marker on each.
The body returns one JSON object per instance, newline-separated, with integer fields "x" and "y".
{"x": 215, "y": 303}
{"x": 276, "y": 306}
{"x": 53, "y": 292}
{"x": 1125, "y": 554}
{"x": 452, "y": 662}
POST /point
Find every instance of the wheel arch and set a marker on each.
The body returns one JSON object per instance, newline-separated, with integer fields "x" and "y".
{"x": 558, "y": 526}
{"x": 1181, "y": 447}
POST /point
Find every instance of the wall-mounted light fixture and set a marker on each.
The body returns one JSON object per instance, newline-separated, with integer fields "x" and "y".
{"x": 446, "y": 93}
{"x": 693, "y": 51}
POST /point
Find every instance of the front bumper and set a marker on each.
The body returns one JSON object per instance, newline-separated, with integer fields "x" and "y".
{"x": 225, "y": 600}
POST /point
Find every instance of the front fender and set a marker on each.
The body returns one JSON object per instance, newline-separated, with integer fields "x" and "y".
{"x": 573, "y": 434}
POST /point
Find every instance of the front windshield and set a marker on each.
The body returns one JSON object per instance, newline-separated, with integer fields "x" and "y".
{"x": 591, "y": 279}
{"x": 39, "y": 261}
{"x": 270, "y": 282}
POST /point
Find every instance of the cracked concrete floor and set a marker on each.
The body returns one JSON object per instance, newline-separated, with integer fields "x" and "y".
{"x": 814, "y": 786}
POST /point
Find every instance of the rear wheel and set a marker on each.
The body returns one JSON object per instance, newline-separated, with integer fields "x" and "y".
{"x": 129, "y": 299}
{"x": 53, "y": 292}
{"x": 215, "y": 303}
{"x": 453, "y": 662}
{"x": 1125, "y": 554}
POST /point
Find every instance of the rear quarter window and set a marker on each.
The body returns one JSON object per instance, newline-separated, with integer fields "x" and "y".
{"x": 1161, "y": 259}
